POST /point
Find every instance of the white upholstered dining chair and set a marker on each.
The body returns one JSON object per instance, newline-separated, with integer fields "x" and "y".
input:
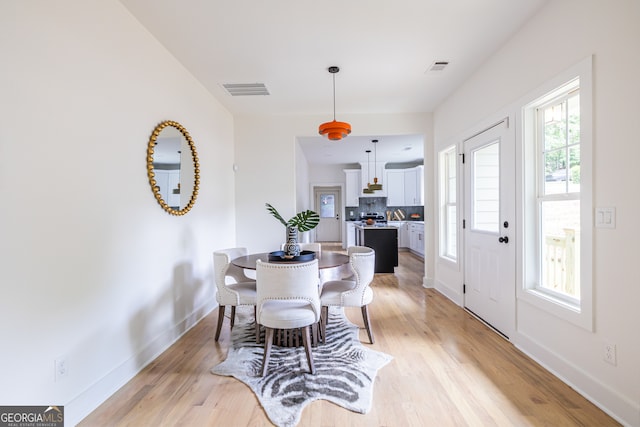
{"x": 234, "y": 288}
{"x": 347, "y": 270}
{"x": 287, "y": 298}
{"x": 355, "y": 292}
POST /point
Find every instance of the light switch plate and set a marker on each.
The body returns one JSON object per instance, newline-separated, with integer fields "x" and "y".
{"x": 605, "y": 217}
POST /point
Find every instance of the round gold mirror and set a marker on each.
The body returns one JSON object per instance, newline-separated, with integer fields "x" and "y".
{"x": 172, "y": 167}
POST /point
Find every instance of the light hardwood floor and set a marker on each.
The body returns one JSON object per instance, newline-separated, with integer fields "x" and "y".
{"x": 449, "y": 369}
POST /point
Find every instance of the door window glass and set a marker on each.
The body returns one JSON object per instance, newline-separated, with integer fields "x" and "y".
{"x": 327, "y": 206}
{"x": 486, "y": 188}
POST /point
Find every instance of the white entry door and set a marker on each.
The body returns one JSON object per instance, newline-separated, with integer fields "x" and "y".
{"x": 328, "y": 206}
{"x": 489, "y": 226}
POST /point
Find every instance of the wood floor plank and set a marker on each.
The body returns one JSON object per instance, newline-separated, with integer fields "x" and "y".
{"x": 449, "y": 369}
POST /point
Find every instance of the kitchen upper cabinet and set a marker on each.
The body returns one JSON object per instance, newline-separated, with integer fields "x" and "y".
{"x": 413, "y": 186}
{"x": 395, "y": 187}
{"x": 404, "y": 186}
{"x": 352, "y": 187}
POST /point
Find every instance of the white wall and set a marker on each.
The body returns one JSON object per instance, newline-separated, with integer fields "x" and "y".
{"x": 302, "y": 181}
{"x": 563, "y": 33}
{"x": 266, "y": 155}
{"x": 328, "y": 173}
{"x": 93, "y": 270}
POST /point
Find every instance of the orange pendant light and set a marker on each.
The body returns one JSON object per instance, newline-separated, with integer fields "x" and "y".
{"x": 334, "y": 130}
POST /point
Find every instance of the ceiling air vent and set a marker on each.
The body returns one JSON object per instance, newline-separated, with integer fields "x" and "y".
{"x": 437, "y": 66}
{"x": 246, "y": 89}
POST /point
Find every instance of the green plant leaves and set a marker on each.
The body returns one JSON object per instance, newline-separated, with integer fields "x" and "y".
{"x": 303, "y": 221}
{"x": 275, "y": 214}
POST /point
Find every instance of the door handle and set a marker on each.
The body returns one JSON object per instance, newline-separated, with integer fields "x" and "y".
{"x": 504, "y": 239}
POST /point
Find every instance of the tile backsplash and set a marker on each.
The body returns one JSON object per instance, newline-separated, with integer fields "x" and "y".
{"x": 379, "y": 204}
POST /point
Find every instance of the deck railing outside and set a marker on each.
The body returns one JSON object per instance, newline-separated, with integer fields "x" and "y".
{"x": 560, "y": 263}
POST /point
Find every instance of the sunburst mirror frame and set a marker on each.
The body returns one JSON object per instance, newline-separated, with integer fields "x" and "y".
{"x": 151, "y": 174}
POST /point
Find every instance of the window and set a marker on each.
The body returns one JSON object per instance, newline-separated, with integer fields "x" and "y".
{"x": 448, "y": 209}
{"x": 557, "y": 236}
{"x": 558, "y": 170}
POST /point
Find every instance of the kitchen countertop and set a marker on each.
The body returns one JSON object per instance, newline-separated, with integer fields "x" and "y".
{"x": 373, "y": 227}
{"x": 392, "y": 220}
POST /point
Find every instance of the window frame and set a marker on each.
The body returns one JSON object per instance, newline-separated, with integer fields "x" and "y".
{"x": 445, "y": 179}
{"x": 578, "y": 312}
{"x": 567, "y": 91}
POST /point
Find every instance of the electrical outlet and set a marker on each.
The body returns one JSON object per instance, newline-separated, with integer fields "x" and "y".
{"x": 610, "y": 353}
{"x": 61, "y": 368}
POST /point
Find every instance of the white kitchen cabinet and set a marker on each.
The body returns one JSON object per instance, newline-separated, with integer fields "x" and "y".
{"x": 394, "y": 180}
{"x": 417, "y": 238}
{"x": 403, "y": 232}
{"x": 352, "y": 187}
{"x": 413, "y": 186}
{"x": 405, "y": 187}
{"x": 350, "y": 234}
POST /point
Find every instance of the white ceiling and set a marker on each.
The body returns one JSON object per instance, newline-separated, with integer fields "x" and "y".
{"x": 383, "y": 48}
{"x": 390, "y": 149}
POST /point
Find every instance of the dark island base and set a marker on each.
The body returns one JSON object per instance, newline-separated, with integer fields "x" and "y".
{"x": 384, "y": 240}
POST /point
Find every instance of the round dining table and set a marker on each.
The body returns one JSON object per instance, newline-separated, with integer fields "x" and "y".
{"x": 325, "y": 260}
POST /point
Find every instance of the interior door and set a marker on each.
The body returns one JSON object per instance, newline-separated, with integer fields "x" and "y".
{"x": 328, "y": 206}
{"x": 489, "y": 226}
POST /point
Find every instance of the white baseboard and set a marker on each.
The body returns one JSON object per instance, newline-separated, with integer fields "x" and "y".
{"x": 619, "y": 407}
{"x": 428, "y": 282}
{"x": 96, "y": 394}
{"x": 418, "y": 254}
{"x": 452, "y": 294}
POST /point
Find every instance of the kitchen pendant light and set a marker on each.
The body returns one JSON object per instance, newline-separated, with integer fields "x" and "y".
{"x": 375, "y": 186}
{"x": 334, "y": 130}
{"x": 367, "y": 189}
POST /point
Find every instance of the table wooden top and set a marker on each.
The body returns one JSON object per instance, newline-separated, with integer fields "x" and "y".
{"x": 326, "y": 260}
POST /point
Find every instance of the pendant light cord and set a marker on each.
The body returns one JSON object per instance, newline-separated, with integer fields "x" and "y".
{"x": 334, "y": 97}
{"x": 375, "y": 160}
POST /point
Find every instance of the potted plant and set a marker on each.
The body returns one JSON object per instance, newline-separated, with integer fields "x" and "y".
{"x": 302, "y": 221}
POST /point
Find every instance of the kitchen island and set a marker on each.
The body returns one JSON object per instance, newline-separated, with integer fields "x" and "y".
{"x": 382, "y": 239}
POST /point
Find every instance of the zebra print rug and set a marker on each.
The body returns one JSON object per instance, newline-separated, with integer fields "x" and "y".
{"x": 345, "y": 370}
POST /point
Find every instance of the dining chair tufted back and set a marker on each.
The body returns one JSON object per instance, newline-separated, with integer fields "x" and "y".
{"x": 287, "y": 298}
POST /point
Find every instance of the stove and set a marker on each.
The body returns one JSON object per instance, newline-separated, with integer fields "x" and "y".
{"x": 375, "y": 217}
